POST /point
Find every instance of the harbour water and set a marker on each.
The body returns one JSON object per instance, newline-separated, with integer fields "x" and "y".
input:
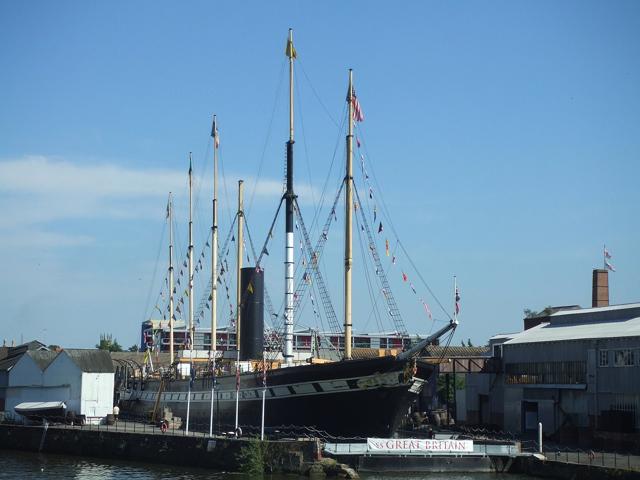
{"x": 15, "y": 464}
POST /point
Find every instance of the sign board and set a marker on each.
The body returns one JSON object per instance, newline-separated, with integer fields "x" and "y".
{"x": 416, "y": 445}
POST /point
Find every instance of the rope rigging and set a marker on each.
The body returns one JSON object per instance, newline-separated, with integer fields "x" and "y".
{"x": 394, "y": 311}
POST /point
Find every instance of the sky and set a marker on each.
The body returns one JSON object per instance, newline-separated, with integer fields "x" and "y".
{"x": 501, "y": 140}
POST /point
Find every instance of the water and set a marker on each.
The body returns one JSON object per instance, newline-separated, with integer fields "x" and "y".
{"x": 18, "y": 465}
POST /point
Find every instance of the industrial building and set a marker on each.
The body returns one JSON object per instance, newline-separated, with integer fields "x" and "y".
{"x": 9, "y": 356}
{"x": 81, "y": 379}
{"x": 573, "y": 369}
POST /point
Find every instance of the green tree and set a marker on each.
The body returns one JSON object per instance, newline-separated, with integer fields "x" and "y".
{"x": 133, "y": 348}
{"x": 528, "y": 313}
{"x": 107, "y": 342}
{"x": 457, "y": 382}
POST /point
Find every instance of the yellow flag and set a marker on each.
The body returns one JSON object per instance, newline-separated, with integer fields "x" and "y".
{"x": 290, "y": 51}
{"x": 250, "y": 288}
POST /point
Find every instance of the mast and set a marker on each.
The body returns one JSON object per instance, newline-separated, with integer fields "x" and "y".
{"x": 214, "y": 241}
{"x": 170, "y": 217}
{"x": 239, "y": 292}
{"x": 214, "y": 270}
{"x": 289, "y": 197}
{"x": 191, "y": 326}
{"x": 348, "y": 225}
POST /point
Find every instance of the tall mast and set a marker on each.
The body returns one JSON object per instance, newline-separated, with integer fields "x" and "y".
{"x": 240, "y": 241}
{"x": 191, "y": 326}
{"x": 289, "y": 197}
{"x": 170, "y": 217}
{"x": 348, "y": 225}
{"x": 214, "y": 241}
{"x": 239, "y": 295}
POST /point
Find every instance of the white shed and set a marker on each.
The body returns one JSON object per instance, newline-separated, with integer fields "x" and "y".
{"x": 82, "y": 379}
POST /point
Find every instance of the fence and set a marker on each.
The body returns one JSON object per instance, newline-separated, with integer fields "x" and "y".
{"x": 140, "y": 425}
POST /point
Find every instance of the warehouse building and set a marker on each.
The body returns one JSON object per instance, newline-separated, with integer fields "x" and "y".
{"x": 576, "y": 370}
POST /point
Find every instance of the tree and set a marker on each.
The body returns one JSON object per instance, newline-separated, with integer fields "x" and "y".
{"x": 107, "y": 342}
{"x": 133, "y": 348}
{"x": 528, "y": 313}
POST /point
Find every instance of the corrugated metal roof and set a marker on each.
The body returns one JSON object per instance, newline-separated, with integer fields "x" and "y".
{"x": 91, "y": 361}
{"x": 455, "y": 351}
{"x": 42, "y": 357}
{"x": 8, "y": 363}
{"x": 583, "y": 311}
{"x": 548, "y": 332}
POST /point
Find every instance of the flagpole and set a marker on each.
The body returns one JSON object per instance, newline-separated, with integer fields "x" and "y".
{"x": 171, "y": 314}
{"x": 455, "y": 299}
{"x": 214, "y": 269}
{"x": 239, "y": 293}
{"x": 189, "y": 391}
{"x": 348, "y": 225}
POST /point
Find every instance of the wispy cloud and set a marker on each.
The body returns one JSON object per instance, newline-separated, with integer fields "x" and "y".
{"x": 38, "y": 191}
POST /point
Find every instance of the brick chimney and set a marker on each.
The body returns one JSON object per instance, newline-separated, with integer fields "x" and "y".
{"x": 600, "y": 292}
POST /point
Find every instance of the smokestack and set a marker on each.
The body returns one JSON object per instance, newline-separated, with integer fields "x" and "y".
{"x": 600, "y": 292}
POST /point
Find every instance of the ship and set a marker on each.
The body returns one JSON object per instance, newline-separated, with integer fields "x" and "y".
{"x": 351, "y": 397}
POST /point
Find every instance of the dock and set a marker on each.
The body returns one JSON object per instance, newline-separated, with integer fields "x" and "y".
{"x": 441, "y": 454}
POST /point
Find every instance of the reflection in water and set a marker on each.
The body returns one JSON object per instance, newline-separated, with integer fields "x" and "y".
{"x": 16, "y": 465}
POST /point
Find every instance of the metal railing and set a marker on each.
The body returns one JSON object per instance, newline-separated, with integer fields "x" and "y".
{"x": 141, "y": 425}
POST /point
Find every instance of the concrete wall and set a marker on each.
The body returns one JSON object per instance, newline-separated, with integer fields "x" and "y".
{"x": 193, "y": 451}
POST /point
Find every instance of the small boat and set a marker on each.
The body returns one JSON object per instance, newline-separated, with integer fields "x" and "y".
{"x": 55, "y": 411}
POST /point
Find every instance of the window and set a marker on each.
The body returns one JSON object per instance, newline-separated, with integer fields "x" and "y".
{"x": 603, "y": 358}
{"x": 561, "y": 373}
{"x": 497, "y": 351}
{"x": 623, "y": 358}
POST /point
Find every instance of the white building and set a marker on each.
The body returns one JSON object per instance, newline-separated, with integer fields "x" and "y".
{"x": 82, "y": 379}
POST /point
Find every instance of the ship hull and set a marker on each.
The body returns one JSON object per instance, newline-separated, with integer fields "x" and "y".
{"x": 352, "y": 398}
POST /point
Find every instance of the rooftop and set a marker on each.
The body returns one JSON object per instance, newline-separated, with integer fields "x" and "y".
{"x": 550, "y": 332}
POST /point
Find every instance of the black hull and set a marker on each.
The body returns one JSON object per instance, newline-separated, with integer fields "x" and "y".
{"x": 352, "y": 398}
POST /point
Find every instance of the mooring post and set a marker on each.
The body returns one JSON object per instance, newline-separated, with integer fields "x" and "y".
{"x": 540, "y": 437}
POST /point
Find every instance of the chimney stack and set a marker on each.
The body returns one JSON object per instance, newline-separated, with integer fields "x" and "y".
{"x": 600, "y": 292}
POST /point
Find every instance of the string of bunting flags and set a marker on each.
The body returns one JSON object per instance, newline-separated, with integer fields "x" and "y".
{"x": 380, "y": 227}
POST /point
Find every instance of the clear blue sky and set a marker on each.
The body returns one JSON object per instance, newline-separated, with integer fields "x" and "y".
{"x": 505, "y": 138}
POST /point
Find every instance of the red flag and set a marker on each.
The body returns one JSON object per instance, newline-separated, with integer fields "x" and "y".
{"x": 426, "y": 307}
{"x": 358, "y": 142}
{"x": 358, "y": 116}
{"x": 404, "y": 277}
{"x": 609, "y": 266}
{"x": 606, "y": 253}
{"x": 386, "y": 245}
